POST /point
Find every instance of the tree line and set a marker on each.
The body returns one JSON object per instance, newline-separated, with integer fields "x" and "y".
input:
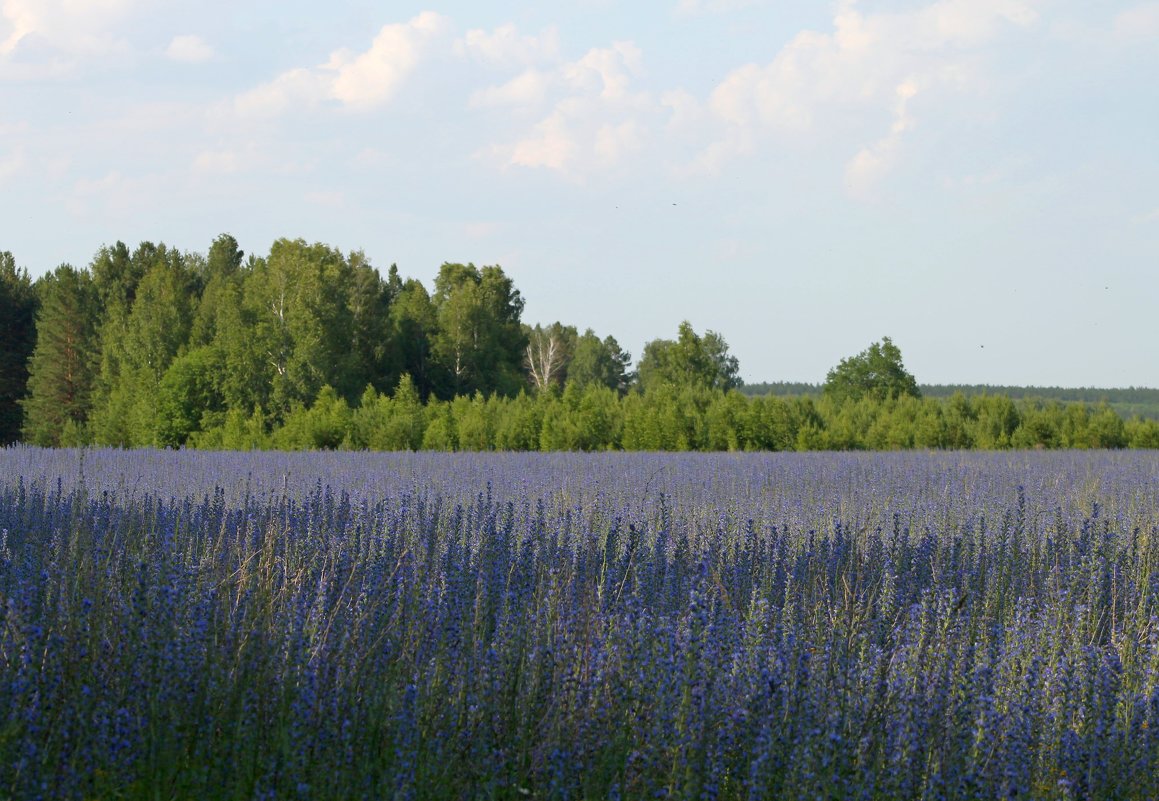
{"x": 1127, "y": 401}
{"x": 310, "y": 347}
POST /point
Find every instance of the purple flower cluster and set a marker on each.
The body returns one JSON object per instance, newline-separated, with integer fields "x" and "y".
{"x": 364, "y": 626}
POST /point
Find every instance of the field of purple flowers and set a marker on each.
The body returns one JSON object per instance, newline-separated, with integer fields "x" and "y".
{"x": 183, "y": 625}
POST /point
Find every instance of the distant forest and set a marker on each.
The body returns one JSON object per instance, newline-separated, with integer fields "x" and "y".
{"x": 1128, "y": 402}
{"x": 310, "y": 347}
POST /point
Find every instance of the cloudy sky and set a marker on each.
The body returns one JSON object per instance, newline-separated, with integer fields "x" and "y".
{"x": 978, "y": 179}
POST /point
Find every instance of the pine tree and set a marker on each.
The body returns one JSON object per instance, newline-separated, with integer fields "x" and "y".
{"x": 17, "y": 338}
{"x": 63, "y": 366}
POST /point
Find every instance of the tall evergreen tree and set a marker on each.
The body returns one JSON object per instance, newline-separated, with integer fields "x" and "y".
{"x": 220, "y": 280}
{"x": 63, "y": 366}
{"x": 413, "y": 323}
{"x": 18, "y": 304}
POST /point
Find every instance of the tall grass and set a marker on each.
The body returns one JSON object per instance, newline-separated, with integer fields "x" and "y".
{"x": 268, "y": 627}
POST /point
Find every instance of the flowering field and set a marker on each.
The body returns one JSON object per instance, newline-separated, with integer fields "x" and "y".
{"x": 182, "y": 625}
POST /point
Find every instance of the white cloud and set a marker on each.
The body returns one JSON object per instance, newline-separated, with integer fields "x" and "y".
{"x": 608, "y": 70}
{"x": 526, "y": 89}
{"x": 293, "y": 88}
{"x": 614, "y": 142}
{"x": 504, "y": 46}
{"x": 686, "y": 111}
{"x": 19, "y": 20}
{"x": 371, "y": 78}
{"x": 868, "y": 64}
{"x": 552, "y": 144}
{"x": 359, "y": 81}
{"x": 218, "y": 162}
{"x": 595, "y": 121}
{"x": 71, "y": 28}
{"x": 189, "y": 49}
{"x": 871, "y": 163}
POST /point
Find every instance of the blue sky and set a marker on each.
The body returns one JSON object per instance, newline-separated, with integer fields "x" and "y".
{"x": 977, "y": 179}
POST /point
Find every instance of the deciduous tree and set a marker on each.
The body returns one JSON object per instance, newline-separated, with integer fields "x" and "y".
{"x": 877, "y": 372}
{"x": 699, "y": 362}
{"x": 548, "y": 354}
{"x": 600, "y": 362}
{"x": 479, "y": 342}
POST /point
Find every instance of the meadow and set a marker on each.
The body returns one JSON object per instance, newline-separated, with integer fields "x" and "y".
{"x": 193, "y": 625}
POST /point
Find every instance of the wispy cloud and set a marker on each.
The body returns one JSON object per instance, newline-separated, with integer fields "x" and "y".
{"x": 527, "y": 88}
{"x": 874, "y": 161}
{"x": 190, "y": 49}
{"x": 356, "y": 80}
{"x": 506, "y": 46}
{"x": 113, "y": 195}
{"x": 219, "y": 162}
{"x": 595, "y": 118}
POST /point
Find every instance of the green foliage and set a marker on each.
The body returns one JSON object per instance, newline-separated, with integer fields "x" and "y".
{"x": 666, "y": 418}
{"x": 302, "y": 322}
{"x": 601, "y": 363}
{"x": 63, "y": 366}
{"x": 439, "y": 434}
{"x": 326, "y": 425}
{"x": 560, "y": 430}
{"x": 188, "y": 397}
{"x": 877, "y": 372}
{"x": 479, "y": 343}
{"x": 18, "y": 305}
{"x": 413, "y": 323}
{"x": 237, "y": 432}
{"x": 548, "y": 354}
{"x": 1142, "y": 433}
{"x": 599, "y": 417}
{"x": 474, "y": 422}
{"x": 309, "y": 348}
{"x": 220, "y": 276}
{"x": 1125, "y": 402}
{"x": 369, "y": 299}
{"x": 772, "y": 425}
{"x": 146, "y": 326}
{"x": 699, "y": 362}
{"x": 518, "y": 427}
{"x": 383, "y": 423}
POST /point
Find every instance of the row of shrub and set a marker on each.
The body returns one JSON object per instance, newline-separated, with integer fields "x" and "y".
{"x": 674, "y": 419}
